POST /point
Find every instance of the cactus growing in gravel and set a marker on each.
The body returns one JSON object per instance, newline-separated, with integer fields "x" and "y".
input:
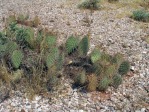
{"x": 110, "y": 71}
{"x": 25, "y": 37}
{"x": 103, "y": 84}
{"x": 95, "y": 55}
{"x": 52, "y": 57}
{"x": 117, "y": 59}
{"x": 71, "y": 44}
{"x": 117, "y": 80}
{"x": 124, "y": 68}
{"x": 16, "y": 58}
{"x": 89, "y": 4}
{"x": 10, "y": 47}
{"x": 92, "y": 82}
{"x": 80, "y": 79}
{"x": 30, "y": 37}
{"x": 83, "y": 46}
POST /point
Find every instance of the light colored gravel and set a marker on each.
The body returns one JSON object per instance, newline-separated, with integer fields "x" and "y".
{"x": 115, "y": 35}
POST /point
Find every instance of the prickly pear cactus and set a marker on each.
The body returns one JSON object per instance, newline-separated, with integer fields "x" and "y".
{"x": 16, "y": 58}
{"x": 80, "y": 78}
{"x": 103, "y": 84}
{"x": 95, "y": 55}
{"x": 11, "y": 46}
{"x": 71, "y": 44}
{"x": 83, "y": 46}
{"x": 117, "y": 80}
{"x": 124, "y": 68}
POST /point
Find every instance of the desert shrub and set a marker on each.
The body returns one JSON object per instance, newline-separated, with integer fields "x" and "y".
{"x": 140, "y": 15}
{"x": 89, "y": 4}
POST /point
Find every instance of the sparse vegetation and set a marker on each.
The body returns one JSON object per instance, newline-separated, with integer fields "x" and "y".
{"x": 38, "y": 60}
{"x": 141, "y": 15}
{"x": 90, "y": 4}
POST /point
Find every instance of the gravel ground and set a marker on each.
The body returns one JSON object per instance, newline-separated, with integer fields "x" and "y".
{"x": 114, "y": 34}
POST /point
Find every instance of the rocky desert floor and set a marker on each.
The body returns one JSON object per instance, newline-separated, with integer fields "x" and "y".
{"x": 113, "y": 29}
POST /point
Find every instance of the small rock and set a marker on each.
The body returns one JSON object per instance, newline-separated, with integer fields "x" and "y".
{"x": 80, "y": 111}
{"x": 37, "y": 98}
{"x": 143, "y": 110}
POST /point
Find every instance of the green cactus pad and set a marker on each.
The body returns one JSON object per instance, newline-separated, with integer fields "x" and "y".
{"x": 11, "y": 46}
{"x": 117, "y": 80}
{"x": 124, "y": 68}
{"x": 103, "y": 84}
{"x": 84, "y": 46}
{"x": 71, "y": 44}
{"x": 95, "y": 55}
{"x": 16, "y": 58}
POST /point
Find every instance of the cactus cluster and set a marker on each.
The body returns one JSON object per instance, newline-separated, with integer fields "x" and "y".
{"x": 26, "y": 51}
{"x": 38, "y": 57}
{"x": 101, "y": 68}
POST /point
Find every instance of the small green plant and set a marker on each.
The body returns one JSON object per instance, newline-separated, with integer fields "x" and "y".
{"x": 90, "y": 4}
{"x": 117, "y": 80}
{"x": 83, "y": 46}
{"x": 71, "y": 44}
{"x": 16, "y": 58}
{"x": 25, "y": 37}
{"x": 95, "y": 55}
{"x": 80, "y": 79}
{"x": 110, "y": 70}
{"x": 124, "y": 68}
{"x": 117, "y": 59}
{"x": 10, "y": 47}
{"x": 52, "y": 57}
{"x": 103, "y": 84}
{"x": 140, "y": 15}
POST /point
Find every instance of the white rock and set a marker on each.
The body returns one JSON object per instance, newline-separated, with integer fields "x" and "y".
{"x": 80, "y": 111}
{"x": 13, "y": 104}
{"x": 37, "y": 98}
{"x": 143, "y": 110}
